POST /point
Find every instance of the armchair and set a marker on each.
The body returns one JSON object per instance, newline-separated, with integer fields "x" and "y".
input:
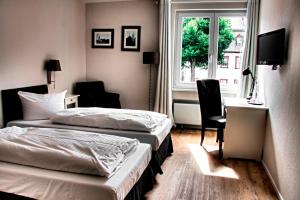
{"x": 93, "y": 94}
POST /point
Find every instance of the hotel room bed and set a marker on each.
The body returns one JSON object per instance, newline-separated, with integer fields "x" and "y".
{"x": 133, "y": 179}
{"x": 155, "y": 138}
{"x": 160, "y": 139}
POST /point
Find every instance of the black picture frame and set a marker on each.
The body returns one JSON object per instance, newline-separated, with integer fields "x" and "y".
{"x": 103, "y": 38}
{"x": 131, "y": 38}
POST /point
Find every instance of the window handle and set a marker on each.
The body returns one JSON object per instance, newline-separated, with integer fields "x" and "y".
{"x": 210, "y": 58}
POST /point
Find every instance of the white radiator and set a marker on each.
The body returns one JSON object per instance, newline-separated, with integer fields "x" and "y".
{"x": 187, "y": 112}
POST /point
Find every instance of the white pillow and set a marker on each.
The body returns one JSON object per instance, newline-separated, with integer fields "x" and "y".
{"x": 41, "y": 106}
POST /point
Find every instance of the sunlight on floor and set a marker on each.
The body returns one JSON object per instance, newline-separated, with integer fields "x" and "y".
{"x": 207, "y": 166}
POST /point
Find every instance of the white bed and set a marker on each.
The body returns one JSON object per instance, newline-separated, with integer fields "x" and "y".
{"x": 45, "y": 184}
{"x": 155, "y": 138}
{"x": 159, "y": 139}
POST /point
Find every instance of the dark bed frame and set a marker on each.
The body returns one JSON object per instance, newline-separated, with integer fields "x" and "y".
{"x": 12, "y": 110}
{"x": 11, "y": 103}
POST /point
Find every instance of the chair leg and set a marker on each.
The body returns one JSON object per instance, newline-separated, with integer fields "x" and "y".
{"x": 202, "y": 135}
{"x": 220, "y": 151}
{"x": 220, "y": 138}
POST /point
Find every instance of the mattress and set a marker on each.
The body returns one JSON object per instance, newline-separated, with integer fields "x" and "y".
{"x": 51, "y": 185}
{"x": 154, "y": 138}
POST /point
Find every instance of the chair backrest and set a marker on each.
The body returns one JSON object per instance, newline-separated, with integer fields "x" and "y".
{"x": 91, "y": 87}
{"x": 210, "y": 98}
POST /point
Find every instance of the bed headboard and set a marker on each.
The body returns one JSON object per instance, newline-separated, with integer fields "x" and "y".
{"x": 11, "y": 103}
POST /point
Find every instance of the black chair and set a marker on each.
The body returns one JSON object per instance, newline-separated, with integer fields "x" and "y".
{"x": 93, "y": 94}
{"x": 211, "y": 109}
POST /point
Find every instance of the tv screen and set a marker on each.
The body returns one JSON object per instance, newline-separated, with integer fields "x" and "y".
{"x": 270, "y": 48}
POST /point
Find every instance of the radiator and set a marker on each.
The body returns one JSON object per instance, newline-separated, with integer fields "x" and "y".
{"x": 187, "y": 112}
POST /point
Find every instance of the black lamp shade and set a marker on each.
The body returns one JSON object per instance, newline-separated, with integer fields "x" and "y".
{"x": 150, "y": 58}
{"x": 53, "y": 65}
{"x": 246, "y": 72}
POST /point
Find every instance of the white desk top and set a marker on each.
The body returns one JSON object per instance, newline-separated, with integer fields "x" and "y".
{"x": 241, "y": 102}
{"x": 71, "y": 95}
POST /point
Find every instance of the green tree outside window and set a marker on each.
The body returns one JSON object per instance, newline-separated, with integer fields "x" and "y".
{"x": 195, "y": 42}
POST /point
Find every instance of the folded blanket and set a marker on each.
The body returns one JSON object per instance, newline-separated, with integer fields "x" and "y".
{"x": 121, "y": 119}
{"x": 65, "y": 150}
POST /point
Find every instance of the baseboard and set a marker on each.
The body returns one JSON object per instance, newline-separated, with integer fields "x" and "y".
{"x": 272, "y": 181}
{"x": 188, "y": 126}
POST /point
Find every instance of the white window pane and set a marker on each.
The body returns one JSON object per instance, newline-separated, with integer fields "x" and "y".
{"x": 230, "y": 49}
{"x": 195, "y": 36}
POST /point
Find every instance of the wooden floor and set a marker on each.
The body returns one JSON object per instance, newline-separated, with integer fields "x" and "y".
{"x": 194, "y": 172}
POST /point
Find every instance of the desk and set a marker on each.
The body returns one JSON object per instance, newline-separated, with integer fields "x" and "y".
{"x": 245, "y": 129}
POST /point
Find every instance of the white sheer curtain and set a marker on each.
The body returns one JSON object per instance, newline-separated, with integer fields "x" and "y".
{"x": 163, "y": 98}
{"x": 249, "y": 57}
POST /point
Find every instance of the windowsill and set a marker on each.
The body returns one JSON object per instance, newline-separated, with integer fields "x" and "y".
{"x": 224, "y": 93}
{"x": 184, "y": 89}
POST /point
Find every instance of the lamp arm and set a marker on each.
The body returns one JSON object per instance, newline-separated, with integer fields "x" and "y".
{"x": 49, "y": 77}
{"x": 252, "y": 86}
{"x": 253, "y": 79}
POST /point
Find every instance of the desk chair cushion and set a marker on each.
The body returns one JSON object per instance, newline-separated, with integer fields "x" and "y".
{"x": 216, "y": 122}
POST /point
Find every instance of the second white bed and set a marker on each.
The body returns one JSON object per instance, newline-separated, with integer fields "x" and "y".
{"x": 154, "y": 138}
{"x": 46, "y": 184}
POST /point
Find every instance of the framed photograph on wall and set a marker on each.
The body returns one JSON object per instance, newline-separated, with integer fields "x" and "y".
{"x": 131, "y": 38}
{"x": 102, "y": 38}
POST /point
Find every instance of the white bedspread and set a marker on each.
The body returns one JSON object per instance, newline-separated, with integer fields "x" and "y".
{"x": 121, "y": 119}
{"x": 65, "y": 150}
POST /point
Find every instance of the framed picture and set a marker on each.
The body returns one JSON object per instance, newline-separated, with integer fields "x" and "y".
{"x": 131, "y": 38}
{"x": 102, "y": 38}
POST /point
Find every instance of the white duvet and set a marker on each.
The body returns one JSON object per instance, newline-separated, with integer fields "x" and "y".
{"x": 65, "y": 150}
{"x": 121, "y": 119}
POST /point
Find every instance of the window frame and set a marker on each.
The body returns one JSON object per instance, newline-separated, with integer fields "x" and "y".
{"x": 213, "y": 48}
{"x": 178, "y": 46}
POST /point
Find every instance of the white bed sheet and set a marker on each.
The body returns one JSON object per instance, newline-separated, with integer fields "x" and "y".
{"x": 52, "y": 185}
{"x": 154, "y": 138}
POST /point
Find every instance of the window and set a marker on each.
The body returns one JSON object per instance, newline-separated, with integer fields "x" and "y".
{"x": 225, "y": 62}
{"x": 206, "y": 46}
{"x": 237, "y": 62}
{"x": 236, "y": 81}
{"x": 223, "y": 81}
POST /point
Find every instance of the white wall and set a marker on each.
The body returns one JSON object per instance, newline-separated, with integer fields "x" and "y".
{"x": 33, "y": 31}
{"x": 123, "y": 71}
{"x": 282, "y": 95}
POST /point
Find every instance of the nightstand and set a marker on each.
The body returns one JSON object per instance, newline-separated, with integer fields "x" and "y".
{"x": 71, "y": 101}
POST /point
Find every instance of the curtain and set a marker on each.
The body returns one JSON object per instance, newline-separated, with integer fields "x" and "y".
{"x": 163, "y": 98}
{"x": 249, "y": 57}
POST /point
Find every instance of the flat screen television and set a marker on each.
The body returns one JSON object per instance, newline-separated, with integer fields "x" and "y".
{"x": 271, "y": 48}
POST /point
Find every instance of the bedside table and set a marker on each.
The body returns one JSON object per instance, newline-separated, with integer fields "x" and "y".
{"x": 71, "y": 101}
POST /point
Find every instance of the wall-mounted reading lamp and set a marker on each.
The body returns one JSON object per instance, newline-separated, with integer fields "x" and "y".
{"x": 246, "y": 72}
{"x": 52, "y": 66}
{"x": 151, "y": 58}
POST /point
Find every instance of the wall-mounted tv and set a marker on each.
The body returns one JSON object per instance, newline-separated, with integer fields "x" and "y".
{"x": 271, "y": 48}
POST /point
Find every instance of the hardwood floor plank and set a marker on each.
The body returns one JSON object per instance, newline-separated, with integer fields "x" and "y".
{"x": 194, "y": 173}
